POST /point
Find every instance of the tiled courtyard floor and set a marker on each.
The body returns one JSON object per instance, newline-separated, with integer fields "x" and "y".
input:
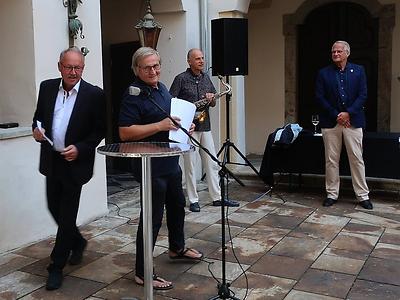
{"x": 289, "y": 246}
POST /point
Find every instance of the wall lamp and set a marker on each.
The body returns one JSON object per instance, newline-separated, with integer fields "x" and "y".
{"x": 148, "y": 29}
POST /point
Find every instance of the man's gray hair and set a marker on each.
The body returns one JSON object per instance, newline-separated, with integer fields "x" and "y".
{"x": 345, "y": 44}
{"x": 72, "y": 49}
{"x": 190, "y": 52}
{"x": 141, "y": 53}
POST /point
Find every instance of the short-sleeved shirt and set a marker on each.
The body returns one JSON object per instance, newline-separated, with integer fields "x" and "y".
{"x": 190, "y": 87}
{"x": 139, "y": 110}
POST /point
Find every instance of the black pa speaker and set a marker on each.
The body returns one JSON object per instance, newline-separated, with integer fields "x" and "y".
{"x": 229, "y": 46}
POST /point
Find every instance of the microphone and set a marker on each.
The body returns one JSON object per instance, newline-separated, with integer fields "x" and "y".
{"x": 134, "y": 90}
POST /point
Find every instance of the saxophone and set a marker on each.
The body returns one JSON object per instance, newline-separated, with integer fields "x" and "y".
{"x": 204, "y": 102}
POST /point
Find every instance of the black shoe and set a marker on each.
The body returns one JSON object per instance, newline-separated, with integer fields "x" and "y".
{"x": 227, "y": 202}
{"x": 329, "y": 202}
{"x": 366, "y": 204}
{"x": 194, "y": 207}
{"x": 77, "y": 254}
{"x": 54, "y": 281}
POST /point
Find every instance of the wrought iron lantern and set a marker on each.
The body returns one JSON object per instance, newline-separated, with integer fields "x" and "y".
{"x": 148, "y": 29}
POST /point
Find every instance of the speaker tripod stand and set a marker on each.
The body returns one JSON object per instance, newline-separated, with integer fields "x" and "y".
{"x": 225, "y": 148}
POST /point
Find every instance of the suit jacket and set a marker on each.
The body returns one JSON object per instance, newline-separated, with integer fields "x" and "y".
{"x": 86, "y": 128}
{"x": 327, "y": 95}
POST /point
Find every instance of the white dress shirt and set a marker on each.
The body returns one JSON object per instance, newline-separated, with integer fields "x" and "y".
{"x": 65, "y": 103}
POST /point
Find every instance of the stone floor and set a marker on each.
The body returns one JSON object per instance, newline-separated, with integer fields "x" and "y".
{"x": 283, "y": 245}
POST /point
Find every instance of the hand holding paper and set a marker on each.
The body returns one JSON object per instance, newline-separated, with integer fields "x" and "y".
{"x": 39, "y": 126}
{"x": 185, "y": 111}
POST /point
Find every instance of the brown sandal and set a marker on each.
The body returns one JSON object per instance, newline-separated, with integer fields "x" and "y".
{"x": 183, "y": 254}
{"x": 168, "y": 285}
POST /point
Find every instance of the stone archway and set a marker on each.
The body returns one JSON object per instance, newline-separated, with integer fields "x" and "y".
{"x": 386, "y": 16}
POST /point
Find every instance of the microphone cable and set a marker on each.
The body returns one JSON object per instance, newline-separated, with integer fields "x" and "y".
{"x": 196, "y": 143}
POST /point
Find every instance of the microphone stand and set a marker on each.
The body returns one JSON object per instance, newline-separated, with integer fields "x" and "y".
{"x": 223, "y": 287}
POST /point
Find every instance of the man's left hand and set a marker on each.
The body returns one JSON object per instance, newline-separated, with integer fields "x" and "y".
{"x": 343, "y": 119}
{"x": 191, "y": 129}
{"x": 70, "y": 153}
{"x": 211, "y": 98}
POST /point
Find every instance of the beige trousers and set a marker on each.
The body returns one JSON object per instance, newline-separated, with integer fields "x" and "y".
{"x": 333, "y": 139}
{"x": 210, "y": 167}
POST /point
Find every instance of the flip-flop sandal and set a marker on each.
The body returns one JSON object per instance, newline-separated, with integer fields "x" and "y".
{"x": 182, "y": 254}
{"x": 155, "y": 278}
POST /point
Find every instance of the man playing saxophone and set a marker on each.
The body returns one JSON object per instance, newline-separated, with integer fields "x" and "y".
{"x": 195, "y": 86}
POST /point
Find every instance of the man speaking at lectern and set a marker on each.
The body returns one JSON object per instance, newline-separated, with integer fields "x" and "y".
{"x": 141, "y": 120}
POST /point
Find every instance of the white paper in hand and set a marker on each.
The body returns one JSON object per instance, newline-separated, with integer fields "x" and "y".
{"x": 185, "y": 111}
{"x": 39, "y": 125}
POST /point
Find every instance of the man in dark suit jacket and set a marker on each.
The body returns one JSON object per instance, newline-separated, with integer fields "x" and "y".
{"x": 341, "y": 92}
{"x": 71, "y": 113}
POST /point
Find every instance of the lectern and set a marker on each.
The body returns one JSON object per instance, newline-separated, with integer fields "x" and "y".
{"x": 146, "y": 150}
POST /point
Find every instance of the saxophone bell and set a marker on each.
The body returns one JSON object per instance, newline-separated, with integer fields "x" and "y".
{"x": 202, "y": 116}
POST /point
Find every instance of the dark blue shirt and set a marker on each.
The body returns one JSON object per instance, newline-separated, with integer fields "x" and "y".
{"x": 341, "y": 77}
{"x": 139, "y": 110}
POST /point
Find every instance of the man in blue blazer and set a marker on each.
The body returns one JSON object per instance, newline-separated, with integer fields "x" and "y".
{"x": 70, "y": 113}
{"x": 341, "y": 92}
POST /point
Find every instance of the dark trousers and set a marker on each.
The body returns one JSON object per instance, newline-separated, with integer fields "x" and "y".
{"x": 63, "y": 196}
{"x": 166, "y": 190}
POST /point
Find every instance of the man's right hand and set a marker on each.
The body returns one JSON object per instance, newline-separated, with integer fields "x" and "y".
{"x": 166, "y": 124}
{"x": 38, "y": 135}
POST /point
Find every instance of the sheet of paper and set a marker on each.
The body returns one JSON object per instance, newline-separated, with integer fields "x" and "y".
{"x": 39, "y": 125}
{"x": 185, "y": 111}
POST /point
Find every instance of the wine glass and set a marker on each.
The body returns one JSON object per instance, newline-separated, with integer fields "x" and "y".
{"x": 315, "y": 122}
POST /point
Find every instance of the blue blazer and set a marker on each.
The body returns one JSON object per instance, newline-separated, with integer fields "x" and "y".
{"x": 328, "y": 100}
{"x": 85, "y": 130}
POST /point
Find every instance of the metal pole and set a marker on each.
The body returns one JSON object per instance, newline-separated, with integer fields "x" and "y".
{"x": 228, "y": 130}
{"x": 147, "y": 228}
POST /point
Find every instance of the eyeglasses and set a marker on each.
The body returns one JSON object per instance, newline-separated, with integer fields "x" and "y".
{"x": 147, "y": 69}
{"x": 70, "y": 68}
{"x": 337, "y": 51}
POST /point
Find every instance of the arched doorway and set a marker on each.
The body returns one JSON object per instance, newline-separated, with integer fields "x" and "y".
{"x": 324, "y": 25}
{"x": 385, "y": 16}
